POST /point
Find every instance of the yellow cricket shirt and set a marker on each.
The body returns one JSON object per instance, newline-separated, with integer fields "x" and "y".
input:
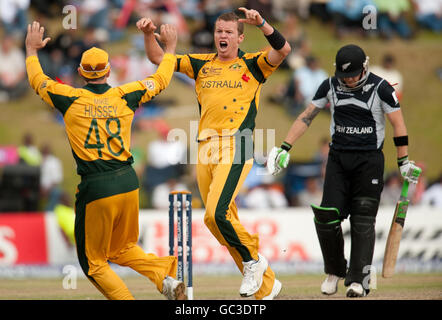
{"x": 98, "y": 117}
{"x": 227, "y": 91}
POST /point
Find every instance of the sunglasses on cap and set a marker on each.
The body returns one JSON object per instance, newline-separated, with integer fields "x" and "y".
{"x": 98, "y": 68}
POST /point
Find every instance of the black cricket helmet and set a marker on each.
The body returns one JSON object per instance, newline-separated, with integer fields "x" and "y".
{"x": 351, "y": 61}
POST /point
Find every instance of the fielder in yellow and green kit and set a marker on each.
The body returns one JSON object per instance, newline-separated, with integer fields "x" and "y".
{"x": 228, "y": 85}
{"x": 98, "y": 121}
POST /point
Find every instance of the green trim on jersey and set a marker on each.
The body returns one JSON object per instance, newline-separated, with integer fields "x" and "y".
{"x": 249, "y": 120}
{"x": 96, "y": 166}
{"x": 178, "y": 63}
{"x": 98, "y": 88}
{"x": 60, "y": 102}
{"x": 111, "y": 183}
{"x": 196, "y": 64}
{"x": 133, "y": 99}
{"x": 253, "y": 67}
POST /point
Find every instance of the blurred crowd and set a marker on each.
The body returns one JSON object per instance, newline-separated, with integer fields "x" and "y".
{"x": 159, "y": 164}
{"x": 32, "y": 177}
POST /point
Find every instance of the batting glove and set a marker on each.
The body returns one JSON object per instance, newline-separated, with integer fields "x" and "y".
{"x": 409, "y": 170}
{"x": 278, "y": 159}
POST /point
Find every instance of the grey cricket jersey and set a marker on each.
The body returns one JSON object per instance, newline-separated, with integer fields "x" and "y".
{"x": 358, "y": 117}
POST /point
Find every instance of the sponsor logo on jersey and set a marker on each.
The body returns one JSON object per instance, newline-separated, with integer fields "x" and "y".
{"x": 367, "y": 87}
{"x": 211, "y": 71}
{"x": 149, "y": 84}
{"x": 341, "y": 91}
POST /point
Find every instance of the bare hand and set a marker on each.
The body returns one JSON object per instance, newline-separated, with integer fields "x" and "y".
{"x": 34, "y": 38}
{"x": 146, "y": 25}
{"x": 252, "y": 17}
{"x": 168, "y": 36}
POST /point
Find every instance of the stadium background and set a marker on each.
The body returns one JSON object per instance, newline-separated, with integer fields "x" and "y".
{"x": 417, "y": 59}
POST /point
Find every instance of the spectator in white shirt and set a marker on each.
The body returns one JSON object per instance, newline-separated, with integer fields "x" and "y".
{"x": 12, "y": 70}
{"x": 307, "y": 80}
{"x": 160, "y": 195}
{"x": 14, "y": 15}
{"x": 389, "y": 72}
{"x": 51, "y": 177}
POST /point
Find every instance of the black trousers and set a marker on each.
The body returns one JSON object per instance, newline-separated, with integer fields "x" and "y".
{"x": 353, "y": 184}
{"x": 350, "y": 175}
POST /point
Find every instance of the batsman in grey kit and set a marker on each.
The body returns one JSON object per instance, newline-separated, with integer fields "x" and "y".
{"x": 359, "y": 101}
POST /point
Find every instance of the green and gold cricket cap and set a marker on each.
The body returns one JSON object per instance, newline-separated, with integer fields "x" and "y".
{"x": 94, "y": 63}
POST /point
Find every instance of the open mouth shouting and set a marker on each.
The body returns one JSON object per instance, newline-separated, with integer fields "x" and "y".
{"x": 223, "y": 45}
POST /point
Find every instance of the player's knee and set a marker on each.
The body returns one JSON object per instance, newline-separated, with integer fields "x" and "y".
{"x": 98, "y": 269}
{"x": 364, "y": 206}
{"x": 325, "y": 215}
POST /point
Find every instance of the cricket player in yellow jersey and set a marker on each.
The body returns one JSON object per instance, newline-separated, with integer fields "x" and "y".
{"x": 228, "y": 85}
{"x": 98, "y": 121}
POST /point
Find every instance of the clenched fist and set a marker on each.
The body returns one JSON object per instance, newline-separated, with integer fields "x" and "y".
{"x": 146, "y": 25}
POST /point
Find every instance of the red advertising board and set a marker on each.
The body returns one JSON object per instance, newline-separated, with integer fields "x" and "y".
{"x": 23, "y": 239}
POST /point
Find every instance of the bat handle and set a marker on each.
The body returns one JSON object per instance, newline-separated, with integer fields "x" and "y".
{"x": 404, "y": 192}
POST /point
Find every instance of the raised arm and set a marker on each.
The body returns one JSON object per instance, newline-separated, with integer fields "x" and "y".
{"x": 153, "y": 50}
{"x": 34, "y": 42}
{"x": 44, "y": 86}
{"x": 280, "y": 47}
{"x": 165, "y": 70}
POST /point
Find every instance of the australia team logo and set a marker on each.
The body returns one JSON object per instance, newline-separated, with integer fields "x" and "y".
{"x": 235, "y": 67}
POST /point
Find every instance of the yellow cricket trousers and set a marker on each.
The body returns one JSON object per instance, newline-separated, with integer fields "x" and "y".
{"x": 223, "y": 165}
{"x": 106, "y": 229}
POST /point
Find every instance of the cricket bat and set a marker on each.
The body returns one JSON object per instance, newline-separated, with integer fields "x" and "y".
{"x": 395, "y": 234}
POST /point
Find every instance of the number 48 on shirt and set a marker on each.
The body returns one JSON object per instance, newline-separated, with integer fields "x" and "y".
{"x": 93, "y": 129}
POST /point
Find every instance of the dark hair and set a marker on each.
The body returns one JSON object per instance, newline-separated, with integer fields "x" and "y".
{"x": 232, "y": 16}
{"x": 310, "y": 59}
{"x": 388, "y": 58}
